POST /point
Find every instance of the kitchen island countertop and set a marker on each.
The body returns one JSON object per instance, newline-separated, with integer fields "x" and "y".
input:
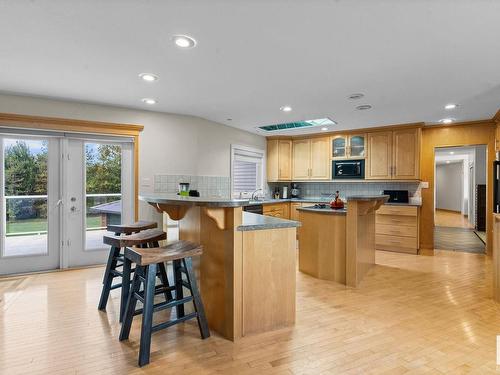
{"x": 253, "y": 221}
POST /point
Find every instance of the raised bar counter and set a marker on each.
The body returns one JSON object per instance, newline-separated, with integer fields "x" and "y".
{"x": 247, "y": 269}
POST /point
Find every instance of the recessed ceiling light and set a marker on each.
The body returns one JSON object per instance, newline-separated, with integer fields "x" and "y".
{"x": 356, "y": 96}
{"x": 447, "y": 162}
{"x": 324, "y": 129}
{"x": 148, "y": 77}
{"x": 149, "y": 101}
{"x": 450, "y": 106}
{"x": 452, "y": 152}
{"x": 446, "y": 120}
{"x": 286, "y": 108}
{"x": 184, "y": 41}
{"x": 363, "y": 107}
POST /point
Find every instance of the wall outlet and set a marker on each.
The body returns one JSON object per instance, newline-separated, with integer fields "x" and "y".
{"x": 146, "y": 182}
{"x": 424, "y": 184}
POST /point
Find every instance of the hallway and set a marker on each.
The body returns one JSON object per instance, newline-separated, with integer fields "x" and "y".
{"x": 454, "y": 232}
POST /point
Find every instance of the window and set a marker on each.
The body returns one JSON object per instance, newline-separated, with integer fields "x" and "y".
{"x": 247, "y": 172}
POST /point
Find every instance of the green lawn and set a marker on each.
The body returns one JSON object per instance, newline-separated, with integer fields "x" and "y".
{"x": 40, "y": 225}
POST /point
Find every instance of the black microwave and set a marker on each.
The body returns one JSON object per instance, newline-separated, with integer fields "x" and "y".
{"x": 348, "y": 169}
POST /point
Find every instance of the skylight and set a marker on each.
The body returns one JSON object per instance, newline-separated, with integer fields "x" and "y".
{"x": 297, "y": 125}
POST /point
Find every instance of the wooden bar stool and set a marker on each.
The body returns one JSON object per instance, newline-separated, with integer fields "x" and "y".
{"x": 136, "y": 227}
{"x": 146, "y": 260}
{"x": 144, "y": 239}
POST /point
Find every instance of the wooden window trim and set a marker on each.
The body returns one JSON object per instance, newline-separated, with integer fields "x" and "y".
{"x": 14, "y": 121}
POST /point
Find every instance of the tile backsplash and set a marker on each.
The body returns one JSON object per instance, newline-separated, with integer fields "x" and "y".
{"x": 319, "y": 189}
{"x": 208, "y": 186}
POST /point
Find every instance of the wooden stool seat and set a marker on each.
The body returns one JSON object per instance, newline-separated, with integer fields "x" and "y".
{"x": 173, "y": 251}
{"x": 147, "y": 261}
{"x": 136, "y": 227}
{"x": 136, "y": 239}
{"x": 145, "y": 239}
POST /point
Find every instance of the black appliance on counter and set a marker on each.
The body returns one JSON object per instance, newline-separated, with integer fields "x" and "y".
{"x": 348, "y": 169}
{"x": 397, "y": 196}
{"x": 254, "y": 208}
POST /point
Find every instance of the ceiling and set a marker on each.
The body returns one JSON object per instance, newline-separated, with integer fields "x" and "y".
{"x": 451, "y": 155}
{"x": 409, "y": 58}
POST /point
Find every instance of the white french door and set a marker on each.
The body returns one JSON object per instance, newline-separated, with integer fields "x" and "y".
{"x": 29, "y": 204}
{"x": 57, "y": 194}
{"x": 97, "y": 192}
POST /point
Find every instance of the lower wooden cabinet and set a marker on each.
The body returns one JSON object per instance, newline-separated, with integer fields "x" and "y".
{"x": 397, "y": 229}
{"x": 280, "y": 210}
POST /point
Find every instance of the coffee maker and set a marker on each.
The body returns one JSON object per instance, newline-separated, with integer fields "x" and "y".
{"x": 295, "y": 192}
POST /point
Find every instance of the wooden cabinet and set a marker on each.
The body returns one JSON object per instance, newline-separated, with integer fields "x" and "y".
{"x": 310, "y": 159}
{"x": 394, "y": 155}
{"x": 348, "y": 146}
{"x": 294, "y": 213}
{"x": 280, "y": 210}
{"x": 279, "y": 160}
{"x": 301, "y": 155}
{"x": 406, "y": 154}
{"x": 397, "y": 229}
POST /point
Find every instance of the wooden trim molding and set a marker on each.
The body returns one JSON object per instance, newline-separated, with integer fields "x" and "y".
{"x": 496, "y": 118}
{"x": 69, "y": 125}
{"x": 15, "y": 121}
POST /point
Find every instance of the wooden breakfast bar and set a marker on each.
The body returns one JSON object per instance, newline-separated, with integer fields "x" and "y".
{"x": 339, "y": 245}
{"x": 247, "y": 270}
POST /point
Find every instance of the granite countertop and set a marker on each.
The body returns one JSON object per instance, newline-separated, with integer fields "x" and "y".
{"x": 251, "y": 221}
{"x": 193, "y": 201}
{"x": 327, "y": 210}
{"x": 326, "y": 200}
{"x": 385, "y": 198}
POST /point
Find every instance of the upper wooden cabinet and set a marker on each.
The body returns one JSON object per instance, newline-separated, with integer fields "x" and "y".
{"x": 310, "y": 159}
{"x": 349, "y": 146}
{"x": 279, "y": 160}
{"x": 406, "y": 154}
{"x": 394, "y": 155}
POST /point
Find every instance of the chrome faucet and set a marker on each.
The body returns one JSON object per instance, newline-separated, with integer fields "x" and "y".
{"x": 253, "y": 194}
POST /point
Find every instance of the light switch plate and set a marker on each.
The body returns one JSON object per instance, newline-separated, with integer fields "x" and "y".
{"x": 425, "y": 184}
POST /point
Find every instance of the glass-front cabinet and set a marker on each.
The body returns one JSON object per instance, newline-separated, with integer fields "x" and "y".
{"x": 349, "y": 146}
{"x": 339, "y": 146}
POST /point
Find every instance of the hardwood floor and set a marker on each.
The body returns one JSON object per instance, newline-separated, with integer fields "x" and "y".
{"x": 410, "y": 315}
{"x": 443, "y": 218}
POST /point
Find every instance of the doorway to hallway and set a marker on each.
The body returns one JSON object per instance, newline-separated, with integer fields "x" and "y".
{"x": 460, "y": 199}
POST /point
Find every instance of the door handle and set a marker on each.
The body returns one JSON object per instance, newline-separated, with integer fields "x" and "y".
{"x": 59, "y": 203}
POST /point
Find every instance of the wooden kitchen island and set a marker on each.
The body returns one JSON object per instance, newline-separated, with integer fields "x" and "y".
{"x": 247, "y": 270}
{"x": 339, "y": 245}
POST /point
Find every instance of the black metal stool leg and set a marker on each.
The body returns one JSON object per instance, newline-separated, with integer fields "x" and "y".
{"x": 108, "y": 277}
{"x": 198, "y": 304}
{"x": 131, "y": 305}
{"x": 127, "y": 267}
{"x": 147, "y": 315}
{"x": 179, "y": 292}
{"x": 164, "y": 281}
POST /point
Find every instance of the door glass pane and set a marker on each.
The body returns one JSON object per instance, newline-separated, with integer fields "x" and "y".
{"x": 103, "y": 191}
{"x": 25, "y": 197}
{"x": 339, "y": 145}
{"x": 358, "y": 146}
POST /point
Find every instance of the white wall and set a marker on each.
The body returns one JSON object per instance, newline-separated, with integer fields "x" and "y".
{"x": 169, "y": 144}
{"x": 449, "y": 186}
